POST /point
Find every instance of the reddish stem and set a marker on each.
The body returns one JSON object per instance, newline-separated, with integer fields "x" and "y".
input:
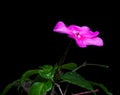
{"x": 86, "y": 92}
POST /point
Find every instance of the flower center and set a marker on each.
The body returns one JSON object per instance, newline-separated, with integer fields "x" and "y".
{"x": 76, "y": 33}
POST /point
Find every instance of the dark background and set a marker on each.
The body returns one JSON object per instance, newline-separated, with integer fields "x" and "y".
{"x": 28, "y": 40}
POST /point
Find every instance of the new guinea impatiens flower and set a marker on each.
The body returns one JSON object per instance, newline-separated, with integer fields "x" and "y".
{"x": 82, "y": 35}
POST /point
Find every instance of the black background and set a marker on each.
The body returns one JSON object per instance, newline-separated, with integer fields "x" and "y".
{"x": 28, "y": 40}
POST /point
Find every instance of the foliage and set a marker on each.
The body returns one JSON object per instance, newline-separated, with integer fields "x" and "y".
{"x": 47, "y": 77}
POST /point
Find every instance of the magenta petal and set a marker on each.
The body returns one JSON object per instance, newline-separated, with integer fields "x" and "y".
{"x": 74, "y": 28}
{"x": 91, "y": 34}
{"x": 61, "y": 28}
{"x": 85, "y": 28}
{"x": 94, "y": 41}
{"x": 81, "y": 43}
{"x": 86, "y": 32}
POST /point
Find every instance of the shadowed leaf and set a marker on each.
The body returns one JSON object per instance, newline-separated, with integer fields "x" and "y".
{"x": 69, "y": 66}
{"x": 39, "y": 88}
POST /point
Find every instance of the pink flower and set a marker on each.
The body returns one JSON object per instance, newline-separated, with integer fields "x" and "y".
{"x": 82, "y": 35}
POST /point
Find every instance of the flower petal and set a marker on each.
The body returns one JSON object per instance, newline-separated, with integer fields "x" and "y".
{"x": 86, "y": 32}
{"x": 81, "y": 43}
{"x": 74, "y": 28}
{"x": 61, "y": 28}
{"x": 94, "y": 41}
{"x": 84, "y": 29}
{"x": 91, "y": 34}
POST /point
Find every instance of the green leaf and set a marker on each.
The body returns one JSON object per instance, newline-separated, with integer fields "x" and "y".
{"x": 47, "y": 72}
{"x": 27, "y": 74}
{"x": 69, "y": 66}
{"x": 9, "y": 86}
{"x": 101, "y": 86}
{"x": 77, "y": 79}
{"x": 39, "y": 88}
